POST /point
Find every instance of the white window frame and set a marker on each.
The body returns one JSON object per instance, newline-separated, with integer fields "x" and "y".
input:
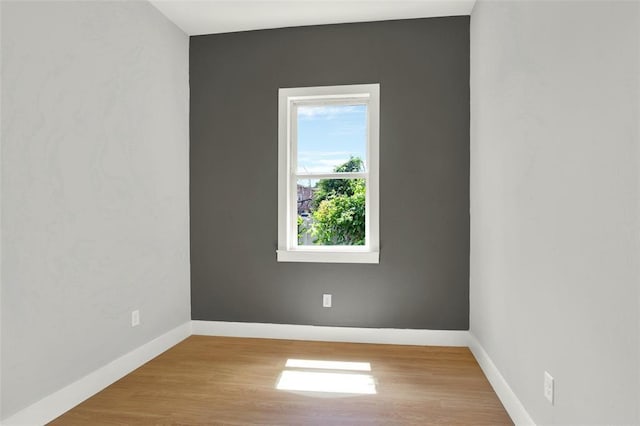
{"x": 288, "y": 248}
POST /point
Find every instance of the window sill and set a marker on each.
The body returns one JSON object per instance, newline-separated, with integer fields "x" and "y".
{"x": 335, "y": 256}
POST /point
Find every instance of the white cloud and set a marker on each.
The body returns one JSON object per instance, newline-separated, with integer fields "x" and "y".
{"x": 326, "y": 112}
{"x": 320, "y": 166}
{"x": 315, "y": 169}
{"x": 323, "y": 154}
{"x": 321, "y": 162}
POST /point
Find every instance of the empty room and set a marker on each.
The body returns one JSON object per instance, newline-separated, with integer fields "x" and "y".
{"x": 320, "y": 212}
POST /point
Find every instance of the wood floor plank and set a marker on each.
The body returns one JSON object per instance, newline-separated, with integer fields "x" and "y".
{"x": 232, "y": 381}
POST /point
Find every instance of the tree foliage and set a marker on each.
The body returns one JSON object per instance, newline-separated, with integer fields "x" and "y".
{"x": 339, "y": 208}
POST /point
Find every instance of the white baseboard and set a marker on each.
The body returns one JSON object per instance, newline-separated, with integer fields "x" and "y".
{"x": 68, "y": 397}
{"x": 390, "y": 336}
{"x": 508, "y": 398}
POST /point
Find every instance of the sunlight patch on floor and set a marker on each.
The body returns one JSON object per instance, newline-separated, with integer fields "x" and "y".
{"x": 332, "y": 377}
{"x": 328, "y": 365}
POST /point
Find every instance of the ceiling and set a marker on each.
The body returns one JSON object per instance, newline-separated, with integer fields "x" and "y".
{"x": 197, "y": 17}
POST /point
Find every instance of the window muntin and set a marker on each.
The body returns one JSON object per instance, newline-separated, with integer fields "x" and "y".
{"x": 328, "y": 145}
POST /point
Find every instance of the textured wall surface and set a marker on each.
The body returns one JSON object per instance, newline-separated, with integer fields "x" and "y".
{"x": 94, "y": 188}
{"x": 422, "y": 279}
{"x": 554, "y": 203}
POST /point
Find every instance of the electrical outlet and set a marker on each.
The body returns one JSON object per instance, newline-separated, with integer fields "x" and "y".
{"x": 135, "y": 318}
{"x": 548, "y": 387}
{"x": 326, "y": 300}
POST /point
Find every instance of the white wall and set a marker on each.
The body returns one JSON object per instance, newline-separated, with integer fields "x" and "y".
{"x": 94, "y": 188}
{"x": 554, "y": 203}
{"x": 1, "y": 74}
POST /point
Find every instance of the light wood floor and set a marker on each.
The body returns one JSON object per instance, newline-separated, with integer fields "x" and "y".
{"x": 218, "y": 380}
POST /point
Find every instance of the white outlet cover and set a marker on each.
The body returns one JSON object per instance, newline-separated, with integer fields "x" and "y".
{"x": 548, "y": 387}
{"x": 135, "y": 318}
{"x": 326, "y": 300}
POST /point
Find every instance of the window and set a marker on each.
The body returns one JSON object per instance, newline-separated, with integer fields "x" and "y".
{"x": 328, "y": 174}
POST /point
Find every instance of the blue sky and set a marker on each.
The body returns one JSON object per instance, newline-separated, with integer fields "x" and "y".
{"x": 328, "y": 135}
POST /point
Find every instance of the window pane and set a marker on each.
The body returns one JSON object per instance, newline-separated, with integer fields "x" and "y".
{"x": 329, "y": 136}
{"x": 331, "y": 212}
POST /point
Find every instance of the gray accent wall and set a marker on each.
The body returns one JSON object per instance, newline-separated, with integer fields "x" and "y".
{"x": 94, "y": 188}
{"x": 422, "y": 280}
